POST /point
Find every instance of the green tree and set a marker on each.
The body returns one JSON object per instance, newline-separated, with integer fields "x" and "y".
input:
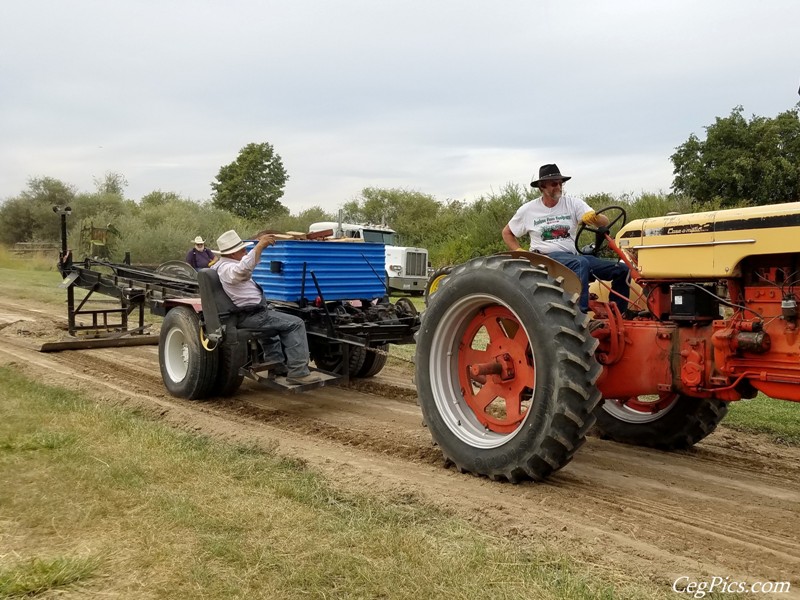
{"x": 164, "y": 229}
{"x": 740, "y": 161}
{"x": 299, "y": 222}
{"x": 413, "y": 215}
{"x": 101, "y": 206}
{"x": 111, "y": 183}
{"x": 103, "y": 209}
{"x": 252, "y": 185}
{"x": 477, "y": 231}
{"x": 159, "y": 198}
{"x": 29, "y": 216}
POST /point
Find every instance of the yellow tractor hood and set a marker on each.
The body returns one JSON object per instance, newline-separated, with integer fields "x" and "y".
{"x": 710, "y": 244}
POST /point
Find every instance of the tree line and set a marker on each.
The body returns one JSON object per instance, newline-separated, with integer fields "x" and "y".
{"x": 741, "y": 162}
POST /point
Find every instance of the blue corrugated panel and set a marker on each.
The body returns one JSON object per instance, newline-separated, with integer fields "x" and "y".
{"x": 344, "y": 270}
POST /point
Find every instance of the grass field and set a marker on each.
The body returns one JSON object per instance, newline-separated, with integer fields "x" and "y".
{"x": 31, "y": 278}
{"x": 101, "y": 502}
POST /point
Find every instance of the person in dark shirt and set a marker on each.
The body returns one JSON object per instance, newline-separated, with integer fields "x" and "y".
{"x": 199, "y": 257}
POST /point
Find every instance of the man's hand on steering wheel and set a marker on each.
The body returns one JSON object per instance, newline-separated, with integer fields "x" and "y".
{"x": 591, "y": 222}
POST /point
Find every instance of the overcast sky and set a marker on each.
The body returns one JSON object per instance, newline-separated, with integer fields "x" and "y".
{"x": 450, "y": 98}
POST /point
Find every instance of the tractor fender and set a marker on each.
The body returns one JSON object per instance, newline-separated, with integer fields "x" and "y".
{"x": 571, "y": 283}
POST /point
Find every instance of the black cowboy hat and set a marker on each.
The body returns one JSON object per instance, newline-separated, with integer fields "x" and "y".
{"x": 549, "y": 173}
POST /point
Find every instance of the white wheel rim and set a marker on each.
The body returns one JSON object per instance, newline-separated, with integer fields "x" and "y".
{"x": 176, "y": 355}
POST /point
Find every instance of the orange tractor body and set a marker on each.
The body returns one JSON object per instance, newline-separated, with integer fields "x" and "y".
{"x": 511, "y": 374}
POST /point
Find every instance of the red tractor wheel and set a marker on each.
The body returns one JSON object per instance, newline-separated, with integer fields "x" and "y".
{"x": 668, "y": 421}
{"x": 505, "y": 370}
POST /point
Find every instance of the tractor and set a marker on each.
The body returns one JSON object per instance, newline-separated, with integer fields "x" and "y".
{"x": 512, "y": 376}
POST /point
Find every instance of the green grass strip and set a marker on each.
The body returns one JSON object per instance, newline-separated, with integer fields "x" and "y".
{"x": 39, "y": 575}
{"x": 780, "y": 419}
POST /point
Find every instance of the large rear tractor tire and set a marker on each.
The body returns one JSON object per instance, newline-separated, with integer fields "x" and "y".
{"x": 188, "y": 369}
{"x": 505, "y": 370}
{"x": 667, "y": 422}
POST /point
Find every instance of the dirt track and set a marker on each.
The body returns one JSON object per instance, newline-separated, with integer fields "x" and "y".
{"x": 728, "y": 508}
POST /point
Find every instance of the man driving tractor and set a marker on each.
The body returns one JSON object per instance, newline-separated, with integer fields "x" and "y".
{"x": 552, "y": 221}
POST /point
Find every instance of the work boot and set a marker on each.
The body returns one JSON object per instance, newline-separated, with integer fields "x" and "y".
{"x": 274, "y": 367}
{"x": 305, "y": 379}
{"x": 279, "y": 371}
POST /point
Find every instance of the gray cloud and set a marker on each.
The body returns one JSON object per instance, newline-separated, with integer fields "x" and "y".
{"x": 450, "y": 98}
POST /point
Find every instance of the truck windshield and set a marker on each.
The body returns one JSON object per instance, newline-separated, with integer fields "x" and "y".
{"x": 379, "y": 237}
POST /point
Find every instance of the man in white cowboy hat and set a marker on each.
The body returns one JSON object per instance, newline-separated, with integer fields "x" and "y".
{"x": 552, "y": 221}
{"x": 283, "y": 333}
{"x": 199, "y": 257}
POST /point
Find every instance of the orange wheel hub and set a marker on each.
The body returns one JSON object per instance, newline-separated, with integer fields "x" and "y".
{"x": 496, "y": 369}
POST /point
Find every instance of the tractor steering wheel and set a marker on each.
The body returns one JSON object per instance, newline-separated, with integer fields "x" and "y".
{"x": 600, "y": 232}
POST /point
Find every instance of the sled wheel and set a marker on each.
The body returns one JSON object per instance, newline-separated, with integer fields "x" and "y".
{"x": 668, "y": 421}
{"x": 329, "y": 357}
{"x": 177, "y": 268}
{"x": 188, "y": 369}
{"x": 228, "y": 380}
{"x": 373, "y": 361}
{"x": 434, "y": 281}
{"x": 505, "y": 370}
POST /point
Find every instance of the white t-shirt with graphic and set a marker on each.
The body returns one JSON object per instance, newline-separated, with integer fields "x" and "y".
{"x": 550, "y": 229}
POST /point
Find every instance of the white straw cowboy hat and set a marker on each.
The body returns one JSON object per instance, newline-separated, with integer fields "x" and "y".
{"x": 199, "y": 240}
{"x": 230, "y": 242}
{"x": 549, "y": 173}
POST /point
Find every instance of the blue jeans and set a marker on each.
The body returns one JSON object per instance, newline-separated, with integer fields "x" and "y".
{"x": 587, "y": 266}
{"x": 283, "y": 334}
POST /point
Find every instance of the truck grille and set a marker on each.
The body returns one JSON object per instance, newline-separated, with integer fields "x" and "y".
{"x": 417, "y": 264}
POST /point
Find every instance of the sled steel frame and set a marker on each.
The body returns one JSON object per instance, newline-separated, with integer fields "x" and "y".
{"x": 133, "y": 287}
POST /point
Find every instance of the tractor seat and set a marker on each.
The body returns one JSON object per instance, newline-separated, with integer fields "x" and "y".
{"x": 220, "y": 314}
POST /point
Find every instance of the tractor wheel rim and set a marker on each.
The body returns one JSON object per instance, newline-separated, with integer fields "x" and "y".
{"x": 479, "y": 331}
{"x": 641, "y": 409}
{"x": 435, "y": 284}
